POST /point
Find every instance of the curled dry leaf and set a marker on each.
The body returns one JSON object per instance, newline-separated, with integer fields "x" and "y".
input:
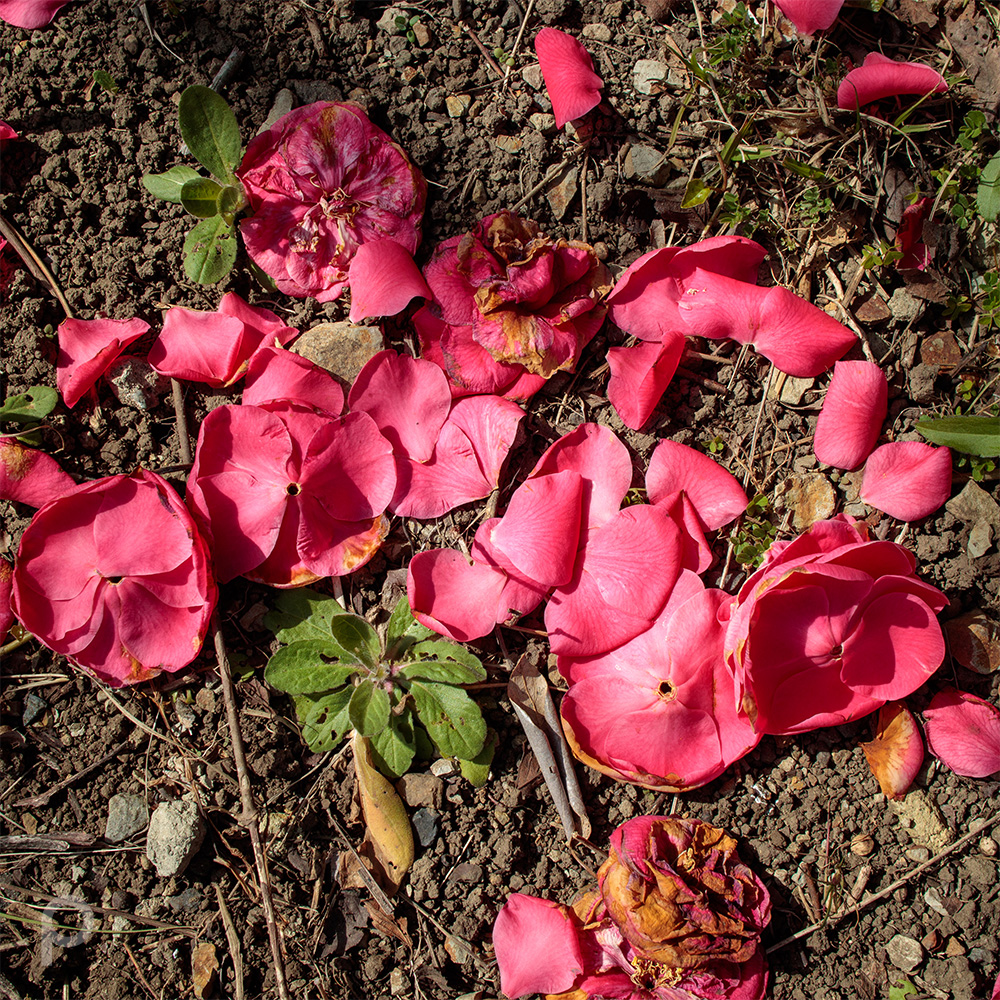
{"x": 897, "y": 751}
{"x": 974, "y": 641}
{"x": 204, "y": 966}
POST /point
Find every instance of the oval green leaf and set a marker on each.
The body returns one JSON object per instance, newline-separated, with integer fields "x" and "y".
{"x": 210, "y": 250}
{"x": 232, "y": 201}
{"x": 356, "y": 636}
{"x": 452, "y": 719}
{"x": 302, "y": 614}
{"x": 200, "y": 196}
{"x": 697, "y": 193}
{"x": 971, "y": 435}
{"x": 168, "y": 185}
{"x": 209, "y": 128}
{"x": 300, "y": 668}
{"x": 393, "y": 749}
{"x": 368, "y": 709}
{"x": 438, "y": 670}
{"x": 324, "y": 720}
{"x": 28, "y": 407}
{"x": 988, "y": 192}
{"x": 440, "y": 649}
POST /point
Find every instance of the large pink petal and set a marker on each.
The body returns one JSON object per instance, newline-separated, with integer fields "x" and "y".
{"x": 520, "y": 595}
{"x": 178, "y": 633}
{"x": 537, "y": 946}
{"x": 452, "y": 596}
{"x": 6, "y": 592}
{"x": 30, "y": 13}
{"x": 383, "y": 279}
{"x": 86, "y": 349}
{"x": 275, "y": 374}
{"x": 852, "y": 414}
{"x": 30, "y": 476}
{"x": 810, "y": 16}
{"x": 907, "y": 480}
{"x": 573, "y": 86}
{"x": 714, "y": 492}
{"x": 640, "y": 376}
{"x": 199, "y": 346}
{"x": 880, "y": 77}
{"x": 963, "y": 731}
{"x": 329, "y": 547}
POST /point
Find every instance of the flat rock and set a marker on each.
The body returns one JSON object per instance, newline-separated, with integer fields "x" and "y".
{"x": 810, "y": 497}
{"x": 176, "y": 831}
{"x": 127, "y": 815}
{"x": 532, "y": 76}
{"x": 904, "y": 952}
{"x": 920, "y": 815}
{"x": 421, "y": 789}
{"x": 647, "y": 165}
{"x": 343, "y": 348}
{"x": 457, "y": 104}
{"x": 649, "y": 76}
{"x": 598, "y": 32}
{"x": 563, "y": 190}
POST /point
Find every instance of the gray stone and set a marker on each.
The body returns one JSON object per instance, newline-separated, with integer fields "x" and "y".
{"x": 905, "y": 307}
{"x": 563, "y": 190}
{"x": 532, "y": 76}
{"x": 136, "y": 383}
{"x": 598, "y": 32}
{"x": 425, "y": 825}
{"x": 421, "y": 789}
{"x": 647, "y": 165}
{"x": 387, "y": 22}
{"x": 904, "y": 952}
{"x": 127, "y": 815}
{"x": 176, "y": 831}
{"x": 650, "y": 76}
{"x": 542, "y": 122}
{"x": 283, "y": 103}
{"x": 343, "y": 348}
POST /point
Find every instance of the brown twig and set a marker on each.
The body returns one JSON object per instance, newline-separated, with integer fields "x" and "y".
{"x": 33, "y": 262}
{"x": 138, "y": 971}
{"x": 490, "y": 61}
{"x": 182, "y": 428}
{"x": 36, "y": 801}
{"x": 233, "y": 940}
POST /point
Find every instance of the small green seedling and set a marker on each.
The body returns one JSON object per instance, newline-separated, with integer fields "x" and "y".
{"x": 403, "y": 691}
{"x": 714, "y": 446}
{"x": 208, "y": 127}
{"x": 405, "y": 26}
{"x": 755, "y": 533}
{"x": 880, "y": 255}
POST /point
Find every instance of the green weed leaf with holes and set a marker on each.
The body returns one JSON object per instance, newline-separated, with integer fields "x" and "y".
{"x": 971, "y": 435}
{"x": 403, "y": 688}
{"x": 30, "y": 407}
{"x": 209, "y": 129}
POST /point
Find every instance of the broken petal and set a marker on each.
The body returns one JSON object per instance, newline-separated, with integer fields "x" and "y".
{"x": 810, "y": 16}
{"x": 86, "y": 349}
{"x": 897, "y": 751}
{"x": 640, "y": 375}
{"x": 963, "y": 731}
{"x": 880, "y": 77}
{"x": 29, "y": 476}
{"x": 384, "y": 280}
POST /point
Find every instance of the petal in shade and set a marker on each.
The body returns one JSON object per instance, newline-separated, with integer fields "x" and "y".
{"x": 897, "y": 751}
{"x": 383, "y": 279}
{"x": 6, "y": 588}
{"x": 963, "y": 731}
{"x": 86, "y": 348}
{"x": 810, "y": 16}
{"x": 573, "y": 86}
{"x": 852, "y": 414}
{"x": 880, "y": 77}
{"x": 6, "y": 132}
{"x": 30, "y": 13}
{"x": 537, "y": 947}
{"x": 640, "y": 376}
{"x": 275, "y": 374}
{"x": 907, "y": 480}
{"x": 29, "y": 476}
{"x": 909, "y": 236}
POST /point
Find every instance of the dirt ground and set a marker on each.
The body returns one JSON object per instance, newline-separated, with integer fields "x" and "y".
{"x": 807, "y": 810}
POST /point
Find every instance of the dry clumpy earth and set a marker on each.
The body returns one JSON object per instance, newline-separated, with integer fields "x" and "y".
{"x": 807, "y": 810}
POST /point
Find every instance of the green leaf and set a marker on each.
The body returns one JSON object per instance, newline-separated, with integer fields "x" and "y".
{"x": 901, "y": 989}
{"x": 200, "y": 196}
{"x": 168, "y": 185}
{"x": 355, "y": 635}
{"x": 439, "y": 649}
{"x": 302, "y": 614}
{"x": 301, "y": 668}
{"x": 210, "y": 250}
{"x": 106, "y": 81}
{"x": 972, "y": 435}
{"x": 393, "y": 748}
{"x": 477, "y": 770}
{"x": 451, "y": 717}
{"x": 324, "y": 720}
{"x": 988, "y": 192}
{"x": 697, "y": 193}
{"x": 209, "y": 128}
{"x": 803, "y": 169}
{"x": 31, "y": 406}
{"x": 369, "y": 709}
{"x": 436, "y": 670}
{"x": 232, "y": 201}
{"x": 403, "y": 630}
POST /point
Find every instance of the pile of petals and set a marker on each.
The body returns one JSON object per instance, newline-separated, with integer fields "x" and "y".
{"x": 322, "y": 181}
{"x": 511, "y": 307}
{"x": 879, "y": 77}
{"x": 676, "y": 915}
{"x": 114, "y": 575}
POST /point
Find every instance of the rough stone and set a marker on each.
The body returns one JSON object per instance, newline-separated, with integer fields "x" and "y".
{"x": 127, "y": 815}
{"x": 904, "y": 952}
{"x": 920, "y": 814}
{"x": 421, "y": 789}
{"x": 598, "y": 32}
{"x": 649, "y": 76}
{"x": 343, "y": 348}
{"x": 176, "y": 832}
{"x": 425, "y": 825}
{"x": 647, "y": 165}
{"x": 532, "y": 76}
{"x": 542, "y": 122}
{"x": 563, "y": 190}
{"x": 457, "y": 104}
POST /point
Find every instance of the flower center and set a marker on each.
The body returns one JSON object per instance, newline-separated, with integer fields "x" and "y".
{"x": 648, "y": 975}
{"x": 665, "y": 690}
{"x": 114, "y": 580}
{"x": 837, "y": 652}
{"x": 293, "y": 489}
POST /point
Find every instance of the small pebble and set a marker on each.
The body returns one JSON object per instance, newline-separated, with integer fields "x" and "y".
{"x": 904, "y": 952}
{"x": 988, "y": 846}
{"x": 862, "y": 845}
{"x": 425, "y": 824}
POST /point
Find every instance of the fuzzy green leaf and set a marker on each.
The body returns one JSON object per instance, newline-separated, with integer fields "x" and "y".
{"x": 438, "y": 670}
{"x": 200, "y": 196}
{"x": 355, "y": 635}
{"x": 988, "y": 192}
{"x": 477, "y": 770}
{"x": 403, "y": 630}
{"x": 232, "y": 200}
{"x": 452, "y": 719}
{"x": 209, "y": 128}
{"x": 971, "y": 435}
{"x": 210, "y": 250}
{"x": 303, "y": 668}
{"x": 369, "y": 709}
{"x": 302, "y": 614}
{"x": 451, "y": 652}
{"x": 393, "y": 748}
{"x": 324, "y": 720}
{"x": 31, "y": 406}
{"x": 168, "y": 185}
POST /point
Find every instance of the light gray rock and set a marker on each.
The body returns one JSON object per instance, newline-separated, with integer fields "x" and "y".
{"x": 904, "y": 952}
{"x": 127, "y": 815}
{"x": 647, "y": 165}
{"x": 650, "y": 76}
{"x": 176, "y": 831}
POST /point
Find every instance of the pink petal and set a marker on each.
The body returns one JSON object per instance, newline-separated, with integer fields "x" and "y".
{"x": 640, "y": 376}
{"x": 261, "y": 327}
{"x": 7, "y": 133}
{"x": 86, "y": 349}
{"x": 881, "y": 77}
{"x": 810, "y": 16}
{"x": 537, "y": 947}
{"x": 573, "y": 86}
{"x": 275, "y": 374}
{"x": 853, "y": 411}
{"x": 6, "y": 590}
{"x": 897, "y": 751}
{"x": 909, "y": 236}
{"x": 199, "y": 346}
{"x": 383, "y": 279}
{"x": 520, "y": 596}
{"x": 452, "y": 596}
{"x": 907, "y": 480}
{"x": 30, "y": 476}
{"x": 963, "y": 731}
{"x": 30, "y": 13}
{"x": 696, "y": 553}
{"x": 714, "y": 492}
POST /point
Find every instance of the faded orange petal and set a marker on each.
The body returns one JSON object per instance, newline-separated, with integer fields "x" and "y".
{"x": 897, "y": 751}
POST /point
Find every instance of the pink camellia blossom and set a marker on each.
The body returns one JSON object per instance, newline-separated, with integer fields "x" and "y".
{"x": 384, "y": 280}
{"x": 29, "y": 476}
{"x": 908, "y": 480}
{"x": 810, "y": 16}
{"x": 215, "y": 347}
{"x": 30, "y": 13}
{"x": 852, "y": 415}
{"x": 660, "y": 711}
{"x": 275, "y": 374}
{"x": 6, "y": 132}
{"x": 114, "y": 575}
{"x": 509, "y": 302}
{"x": 829, "y": 628}
{"x": 86, "y": 349}
{"x": 322, "y": 181}
{"x": 640, "y": 376}
{"x": 287, "y": 496}
{"x": 880, "y": 77}
{"x": 909, "y": 237}
{"x": 963, "y": 731}
{"x": 896, "y": 753}
{"x": 573, "y": 86}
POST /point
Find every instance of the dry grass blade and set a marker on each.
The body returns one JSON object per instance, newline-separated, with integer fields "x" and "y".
{"x": 233, "y": 940}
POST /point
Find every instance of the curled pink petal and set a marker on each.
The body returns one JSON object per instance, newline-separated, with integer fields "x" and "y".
{"x": 6, "y": 132}
{"x": 909, "y": 236}
{"x": 29, "y": 476}
{"x": 275, "y": 374}
{"x": 880, "y": 77}
{"x": 963, "y": 731}
{"x": 640, "y": 375}
{"x": 897, "y": 751}
{"x": 852, "y": 414}
{"x": 30, "y": 13}
{"x": 907, "y": 480}
{"x": 384, "y": 280}
{"x": 573, "y": 86}
{"x": 810, "y": 16}
{"x": 86, "y": 349}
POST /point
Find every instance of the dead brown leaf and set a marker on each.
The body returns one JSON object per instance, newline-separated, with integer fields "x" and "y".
{"x": 204, "y": 966}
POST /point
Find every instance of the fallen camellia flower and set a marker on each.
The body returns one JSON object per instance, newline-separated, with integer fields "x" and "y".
{"x": 810, "y": 16}
{"x": 215, "y": 347}
{"x": 908, "y": 480}
{"x": 509, "y": 302}
{"x": 963, "y": 731}
{"x": 897, "y": 751}
{"x": 322, "y": 181}
{"x": 880, "y": 77}
{"x": 573, "y": 86}
{"x": 852, "y": 414}
{"x": 121, "y": 602}
{"x": 30, "y": 13}
{"x": 829, "y": 628}
{"x": 909, "y": 237}
{"x": 384, "y": 280}
{"x": 29, "y": 476}
{"x": 86, "y": 349}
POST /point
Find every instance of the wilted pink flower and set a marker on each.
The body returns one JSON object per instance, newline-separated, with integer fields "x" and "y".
{"x": 115, "y": 576}
{"x": 30, "y": 13}
{"x": 573, "y": 86}
{"x": 29, "y": 476}
{"x": 907, "y": 480}
{"x": 215, "y": 347}
{"x": 86, "y": 349}
{"x": 275, "y": 374}
{"x": 830, "y": 628}
{"x": 384, "y": 280}
{"x": 322, "y": 181}
{"x": 963, "y": 731}
{"x": 287, "y": 496}
{"x": 897, "y": 751}
{"x": 810, "y": 16}
{"x": 640, "y": 376}
{"x": 909, "y": 237}
{"x": 509, "y": 302}
{"x": 880, "y": 77}
{"x": 853, "y": 411}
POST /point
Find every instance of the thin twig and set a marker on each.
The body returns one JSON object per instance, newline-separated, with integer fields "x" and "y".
{"x": 37, "y": 801}
{"x": 33, "y": 262}
{"x": 550, "y": 174}
{"x": 234, "y": 942}
{"x": 490, "y": 61}
{"x": 182, "y": 428}
{"x": 517, "y": 41}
